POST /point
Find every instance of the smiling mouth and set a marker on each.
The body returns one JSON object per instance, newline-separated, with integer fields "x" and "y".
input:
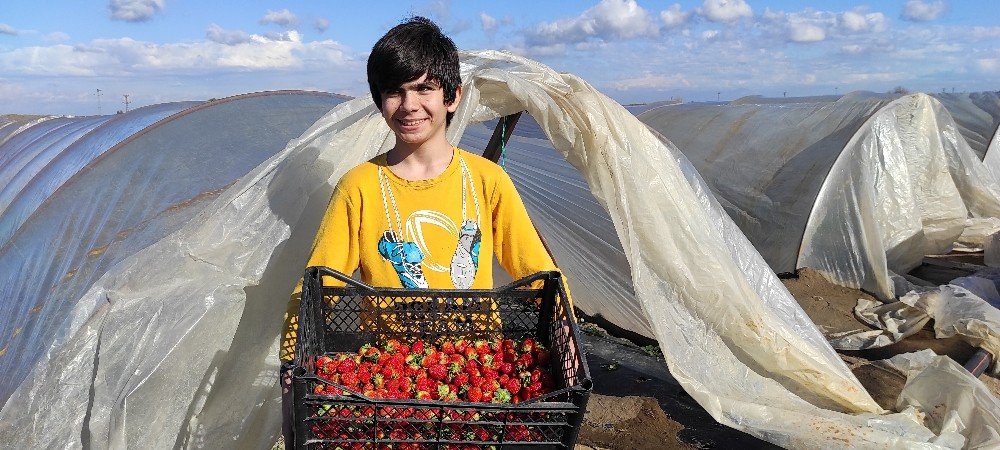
{"x": 410, "y": 123}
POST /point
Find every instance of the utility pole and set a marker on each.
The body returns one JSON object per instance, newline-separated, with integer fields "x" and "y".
{"x": 98, "y": 101}
{"x": 126, "y": 102}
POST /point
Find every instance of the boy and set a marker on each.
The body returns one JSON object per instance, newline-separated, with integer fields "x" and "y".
{"x": 425, "y": 214}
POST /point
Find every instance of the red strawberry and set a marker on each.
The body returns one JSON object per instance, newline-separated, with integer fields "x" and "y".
{"x": 364, "y": 376}
{"x": 417, "y": 348}
{"x": 437, "y": 372}
{"x": 448, "y": 347}
{"x": 347, "y": 366}
{"x": 490, "y": 385}
{"x": 474, "y": 394}
{"x": 505, "y": 368}
{"x": 470, "y": 353}
{"x": 433, "y": 357}
{"x": 370, "y": 353}
{"x": 424, "y": 384}
{"x": 513, "y": 385}
{"x": 349, "y": 379}
{"x": 461, "y": 345}
{"x": 525, "y": 361}
{"x": 391, "y": 346}
{"x": 528, "y": 346}
{"x": 482, "y": 347}
{"x": 405, "y": 385}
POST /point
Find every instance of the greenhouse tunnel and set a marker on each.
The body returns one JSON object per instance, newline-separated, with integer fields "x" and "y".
{"x": 977, "y": 115}
{"x": 65, "y": 175}
{"x": 856, "y": 188}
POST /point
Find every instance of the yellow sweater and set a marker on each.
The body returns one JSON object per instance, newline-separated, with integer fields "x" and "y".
{"x": 440, "y": 233}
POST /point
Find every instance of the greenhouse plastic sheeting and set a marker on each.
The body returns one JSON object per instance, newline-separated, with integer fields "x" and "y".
{"x": 574, "y": 225}
{"x": 856, "y": 189}
{"x": 176, "y": 345}
{"x": 977, "y": 115}
{"x": 117, "y": 201}
{"x": 48, "y": 170}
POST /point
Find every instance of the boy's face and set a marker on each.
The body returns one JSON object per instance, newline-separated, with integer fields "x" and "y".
{"x": 416, "y": 112}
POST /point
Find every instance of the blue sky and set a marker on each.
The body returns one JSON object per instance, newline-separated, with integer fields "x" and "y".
{"x": 54, "y": 55}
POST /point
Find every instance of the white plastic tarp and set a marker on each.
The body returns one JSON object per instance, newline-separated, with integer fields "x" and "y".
{"x": 189, "y": 357}
{"x": 856, "y": 188}
{"x": 977, "y": 115}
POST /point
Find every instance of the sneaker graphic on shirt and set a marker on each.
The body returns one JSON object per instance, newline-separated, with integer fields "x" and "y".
{"x": 465, "y": 262}
{"x": 405, "y": 257}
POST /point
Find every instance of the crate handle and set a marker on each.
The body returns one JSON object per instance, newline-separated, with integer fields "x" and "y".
{"x": 320, "y": 270}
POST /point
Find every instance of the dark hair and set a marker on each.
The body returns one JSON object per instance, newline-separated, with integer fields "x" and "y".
{"x": 409, "y": 50}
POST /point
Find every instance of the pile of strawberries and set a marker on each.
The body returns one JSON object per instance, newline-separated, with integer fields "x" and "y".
{"x": 481, "y": 371}
{"x": 491, "y": 371}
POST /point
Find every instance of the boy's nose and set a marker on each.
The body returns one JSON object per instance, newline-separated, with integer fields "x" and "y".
{"x": 410, "y": 101}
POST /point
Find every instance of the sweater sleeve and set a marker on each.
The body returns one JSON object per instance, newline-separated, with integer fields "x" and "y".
{"x": 337, "y": 243}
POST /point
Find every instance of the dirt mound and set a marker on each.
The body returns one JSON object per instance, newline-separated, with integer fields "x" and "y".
{"x": 628, "y": 423}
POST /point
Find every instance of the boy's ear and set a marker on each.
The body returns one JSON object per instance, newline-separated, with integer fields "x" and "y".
{"x": 458, "y": 98}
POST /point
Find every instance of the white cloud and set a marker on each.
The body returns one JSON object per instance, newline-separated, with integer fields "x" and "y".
{"x": 805, "y": 32}
{"x": 815, "y": 26}
{"x": 985, "y": 32}
{"x": 135, "y": 10}
{"x": 488, "y": 22}
{"x": 609, "y": 20}
{"x": 57, "y": 36}
{"x": 921, "y": 11}
{"x": 284, "y": 18}
{"x": 217, "y": 34}
{"x": 725, "y": 10}
{"x": 125, "y": 56}
{"x": 852, "y": 49}
{"x": 673, "y": 17}
{"x": 7, "y": 29}
{"x": 860, "y": 22}
{"x": 652, "y": 81}
{"x": 989, "y": 65}
{"x": 709, "y": 35}
{"x": 321, "y": 24}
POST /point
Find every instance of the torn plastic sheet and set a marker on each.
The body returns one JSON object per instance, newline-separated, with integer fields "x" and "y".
{"x": 188, "y": 357}
{"x": 966, "y": 307}
{"x": 957, "y": 406}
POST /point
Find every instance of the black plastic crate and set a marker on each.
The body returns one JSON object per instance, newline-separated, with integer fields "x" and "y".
{"x": 341, "y": 319}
